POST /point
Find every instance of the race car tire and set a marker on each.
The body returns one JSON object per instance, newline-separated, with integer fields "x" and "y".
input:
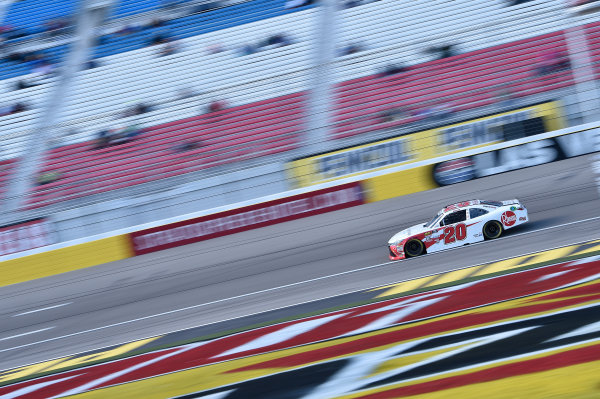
{"x": 413, "y": 248}
{"x": 492, "y": 229}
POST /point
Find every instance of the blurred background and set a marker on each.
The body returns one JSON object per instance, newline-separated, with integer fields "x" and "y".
{"x": 120, "y": 113}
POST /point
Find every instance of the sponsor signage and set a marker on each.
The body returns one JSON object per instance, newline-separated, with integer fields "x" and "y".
{"x": 25, "y": 235}
{"x": 246, "y": 218}
{"x": 365, "y": 158}
{"x": 517, "y": 157}
{"x": 419, "y": 146}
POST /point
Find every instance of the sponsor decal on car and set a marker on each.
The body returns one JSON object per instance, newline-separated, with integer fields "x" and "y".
{"x": 508, "y": 218}
{"x": 433, "y": 237}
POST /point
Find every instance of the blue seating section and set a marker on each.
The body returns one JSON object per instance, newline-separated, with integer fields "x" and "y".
{"x": 180, "y": 28}
{"x": 30, "y": 15}
{"x": 126, "y": 8}
{"x": 195, "y": 24}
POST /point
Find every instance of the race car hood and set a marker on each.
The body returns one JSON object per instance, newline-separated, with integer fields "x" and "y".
{"x": 416, "y": 229}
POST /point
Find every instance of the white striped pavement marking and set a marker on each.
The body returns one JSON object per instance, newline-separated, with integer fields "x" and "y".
{"x": 36, "y": 387}
{"x": 587, "y": 329}
{"x": 394, "y": 317}
{"x": 98, "y": 381}
{"x": 27, "y": 333}
{"x": 549, "y": 276}
{"x": 281, "y": 335}
{"x": 42, "y": 309}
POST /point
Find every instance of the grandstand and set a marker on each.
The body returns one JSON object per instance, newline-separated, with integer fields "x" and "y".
{"x": 32, "y": 15}
{"x": 140, "y": 31}
{"x": 593, "y": 37}
{"x": 266, "y": 89}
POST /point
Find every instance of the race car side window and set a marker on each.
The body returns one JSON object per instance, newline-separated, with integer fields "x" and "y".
{"x": 476, "y": 212}
{"x": 455, "y": 217}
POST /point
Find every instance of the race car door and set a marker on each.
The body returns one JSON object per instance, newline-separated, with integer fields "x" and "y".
{"x": 477, "y": 218}
{"x": 455, "y": 229}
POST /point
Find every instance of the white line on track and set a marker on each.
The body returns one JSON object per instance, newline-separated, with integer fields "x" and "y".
{"x": 27, "y": 333}
{"x": 300, "y": 283}
{"x": 42, "y": 309}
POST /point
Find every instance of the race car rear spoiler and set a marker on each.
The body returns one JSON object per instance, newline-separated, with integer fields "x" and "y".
{"x": 511, "y": 202}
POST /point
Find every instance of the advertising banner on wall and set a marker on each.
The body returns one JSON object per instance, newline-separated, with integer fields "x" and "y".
{"x": 247, "y": 218}
{"x": 517, "y": 157}
{"x": 26, "y": 235}
{"x": 424, "y": 145}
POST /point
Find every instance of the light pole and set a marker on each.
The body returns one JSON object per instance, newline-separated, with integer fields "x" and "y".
{"x": 90, "y": 14}
{"x": 320, "y": 100}
{"x": 582, "y": 67}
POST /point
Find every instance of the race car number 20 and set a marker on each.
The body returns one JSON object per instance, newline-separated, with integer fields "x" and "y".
{"x": 453, "y": 233}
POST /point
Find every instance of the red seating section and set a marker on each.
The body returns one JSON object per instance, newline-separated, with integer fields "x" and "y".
{"x": 463, "y": 81}
{"x": 593, "y": 39}
{"x": 274, "y": 126}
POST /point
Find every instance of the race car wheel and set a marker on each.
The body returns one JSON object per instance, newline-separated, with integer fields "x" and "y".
{"x": 414, "y": 248}
{"x": 492, "y": 229}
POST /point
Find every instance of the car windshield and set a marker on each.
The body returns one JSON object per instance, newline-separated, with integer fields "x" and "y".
{"x": 432, "y": 221}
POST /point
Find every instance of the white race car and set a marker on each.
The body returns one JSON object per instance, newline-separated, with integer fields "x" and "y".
{"x": 458, "y": 224}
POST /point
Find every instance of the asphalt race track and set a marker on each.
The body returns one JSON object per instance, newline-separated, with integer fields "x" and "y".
{"x": 281, "y": 265}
